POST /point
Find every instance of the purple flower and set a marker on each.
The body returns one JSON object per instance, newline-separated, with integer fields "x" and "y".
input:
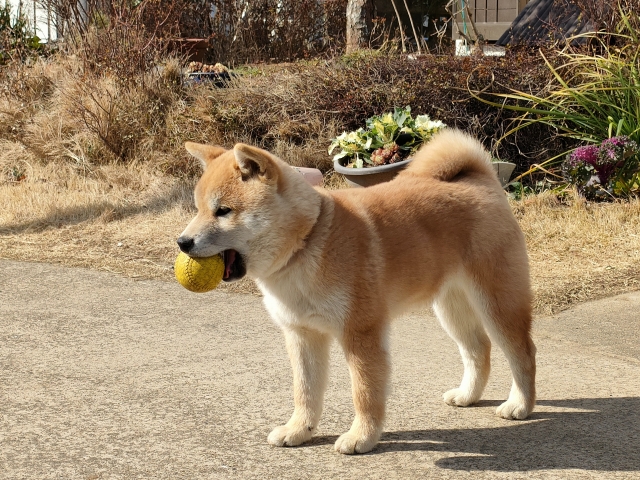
{"x": 616, "y": 141}
{"x": 617, "y": 149}
{"x": 608, "y": 154}
{"x": 581, "y": 155}
{"x": 595, "y": 170}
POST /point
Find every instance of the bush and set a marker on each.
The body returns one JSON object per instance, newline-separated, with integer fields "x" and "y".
{"x": 64, "y": 110}
{"x": 60, "y": 112}
{"x": 594, "y": 94}
{"x": 122, "y": 39}
{"x": 605, "y": 171}
{"x": 606, "y": 15}
{"x": 303, "y": 102}
{"x": 16, "y": 38}
{"x": 282, "y": 30}
{"x": 238, "y": 31}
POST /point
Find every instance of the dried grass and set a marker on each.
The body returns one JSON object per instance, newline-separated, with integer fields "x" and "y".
{"x": 63, "y": 112}
{"x": 125, "y": 219}
{"x": 116, "y": 218}
{"x": 578, "y": 250}
{"x": 93, "y": 172}
{"x": 87, "y": 119}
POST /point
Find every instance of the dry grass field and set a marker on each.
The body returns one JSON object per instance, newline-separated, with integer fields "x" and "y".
{"x": 125, "y": 219}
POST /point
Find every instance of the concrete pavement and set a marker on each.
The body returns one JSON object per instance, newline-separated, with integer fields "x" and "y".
{"x": 103, "y": 377}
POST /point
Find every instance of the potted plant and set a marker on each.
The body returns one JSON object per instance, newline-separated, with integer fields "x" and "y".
{"x": 377, "y": 153}
{"x": 605, "y": 171}
{"x": 503, "y": 169}
{"x": 217, "y": 75}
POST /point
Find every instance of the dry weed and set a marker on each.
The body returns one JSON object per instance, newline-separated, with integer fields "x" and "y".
{"x": 125, "y": 219}
{"x": 117, "y": 218}
{"x": 91, "y": 119}
{"x": 16, "y": 162}
{"x": 61, "y": 111}
{"x": 580, "y": 250}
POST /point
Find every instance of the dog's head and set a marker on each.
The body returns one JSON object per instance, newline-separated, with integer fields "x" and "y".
{"x": 252, "y": 208}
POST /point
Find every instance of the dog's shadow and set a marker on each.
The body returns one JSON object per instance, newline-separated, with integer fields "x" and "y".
{"x": 603, "y": 434}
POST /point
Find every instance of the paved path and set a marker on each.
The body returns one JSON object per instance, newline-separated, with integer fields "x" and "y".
{"x": 103, "y": 377}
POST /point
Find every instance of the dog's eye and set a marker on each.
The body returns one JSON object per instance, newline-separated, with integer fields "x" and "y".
{"x": 222, "y": 211}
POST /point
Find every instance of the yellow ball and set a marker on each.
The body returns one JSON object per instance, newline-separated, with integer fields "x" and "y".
{"x": 199, "y": 274}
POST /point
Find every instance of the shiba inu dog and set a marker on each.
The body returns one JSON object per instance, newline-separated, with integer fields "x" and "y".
{"x": 342, "y": 264}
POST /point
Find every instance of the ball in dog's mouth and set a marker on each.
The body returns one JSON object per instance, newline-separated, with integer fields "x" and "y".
{"x": 234, "y": 267}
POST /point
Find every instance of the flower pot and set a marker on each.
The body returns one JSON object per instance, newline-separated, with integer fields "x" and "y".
{"x": 218, "y": 80}
{"x": 367, "y": 176}
{"x": 504, "y": 171}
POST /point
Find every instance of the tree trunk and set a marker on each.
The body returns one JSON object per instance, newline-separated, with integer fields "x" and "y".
{"x": 359, "y": 14}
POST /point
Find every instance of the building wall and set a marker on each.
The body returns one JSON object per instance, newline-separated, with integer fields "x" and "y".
{"x": 491, "y": 17}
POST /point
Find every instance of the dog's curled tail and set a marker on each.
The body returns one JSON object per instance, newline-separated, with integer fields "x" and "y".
{"x": 449, "y": 154}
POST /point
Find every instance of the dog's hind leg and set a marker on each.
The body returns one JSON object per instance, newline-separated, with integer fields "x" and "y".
{"x": 508, "y": 322}
{"x": 309, "y": 355}
{"x": 462, "y": 322}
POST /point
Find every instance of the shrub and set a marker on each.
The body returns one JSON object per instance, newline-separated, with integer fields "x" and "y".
{"x": 606, "y": 15}
{"x": 121, "y": 38}
{"x": 605, "y": 171}
{"x": 71, "y": 111}
{"x": 297, "y": 103}
{"x": 593, "y": 95}
{"x": 284, "y": 30}
{"x": 16, "y": 37}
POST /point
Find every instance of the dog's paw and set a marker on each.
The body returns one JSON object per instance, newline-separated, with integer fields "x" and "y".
{"x": 350, "y": 443}
{"x": 285, "y": 436}
{"x": 513, "y": 410}
{"x": 458, "y": 398}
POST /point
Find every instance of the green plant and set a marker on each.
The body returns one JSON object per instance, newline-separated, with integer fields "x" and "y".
{"x": 518, "y": 190}
{"x": 605, "y": 171}
{"x": 16, "y": 36}
{"x": 593, "y": 96}
{"x": 387, "y": 138}
{"x": 17, "y": 174}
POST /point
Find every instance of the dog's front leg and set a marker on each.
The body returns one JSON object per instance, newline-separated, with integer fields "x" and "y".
{"x": 309, "y": 355}
{"x": 369, "y": 368}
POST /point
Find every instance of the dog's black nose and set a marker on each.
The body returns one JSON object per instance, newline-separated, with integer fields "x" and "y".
{"x": 185, "y": 244}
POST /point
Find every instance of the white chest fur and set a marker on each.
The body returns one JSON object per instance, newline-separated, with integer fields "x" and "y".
{"x": 294, "y": 302}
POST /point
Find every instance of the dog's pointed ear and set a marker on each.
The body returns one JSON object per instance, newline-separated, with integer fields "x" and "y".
{"x": 256, "y": 163}
{"x": 205, "y": 153}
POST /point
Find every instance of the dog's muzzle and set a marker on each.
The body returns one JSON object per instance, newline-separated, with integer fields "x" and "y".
{"x": 186, "y": 244}
{"x": 234, "y": 265}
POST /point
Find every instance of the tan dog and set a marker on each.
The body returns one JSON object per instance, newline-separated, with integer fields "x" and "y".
{"x": 344, "y": 263}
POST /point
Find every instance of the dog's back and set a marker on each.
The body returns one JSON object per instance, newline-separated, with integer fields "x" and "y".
{"x": 445, "y": 215}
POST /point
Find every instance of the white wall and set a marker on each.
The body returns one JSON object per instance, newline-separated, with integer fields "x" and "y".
{"x": 38, "y": 16}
